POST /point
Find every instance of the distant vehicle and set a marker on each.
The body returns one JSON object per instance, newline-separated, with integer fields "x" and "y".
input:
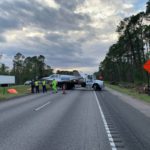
{"x": 90, "y": 81}
{"x": 28, "y": 82}
{"x": 67, "y": 80}
{"x": 70, "y": 81}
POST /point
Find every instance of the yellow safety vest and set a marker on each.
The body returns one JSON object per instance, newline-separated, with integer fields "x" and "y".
{"x": 44, "y": 83}
{"x": 36, "y": 83}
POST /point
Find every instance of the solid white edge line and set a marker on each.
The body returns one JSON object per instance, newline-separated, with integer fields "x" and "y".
{"x": 38, "y": 108}
{"x": 111, "y": 141}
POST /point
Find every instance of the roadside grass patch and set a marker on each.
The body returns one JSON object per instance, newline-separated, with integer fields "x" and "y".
{"x": 21, "y": 89}
{"x": 131, "y": 92}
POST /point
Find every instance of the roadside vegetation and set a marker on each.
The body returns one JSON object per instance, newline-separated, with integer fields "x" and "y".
{"x": 125, "y": 59}
{"x": 21, "y": 89}
{"x": 27, "y": 68}
{"x": 30, "y": 68}
{"x": 130, "y": 90}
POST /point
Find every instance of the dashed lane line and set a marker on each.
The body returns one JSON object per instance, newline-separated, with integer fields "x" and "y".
{"x": 110, "y": 138}
{"x": 40, "y": 107}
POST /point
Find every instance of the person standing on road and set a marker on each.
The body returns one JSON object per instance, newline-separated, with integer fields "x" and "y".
{"x": 50, "y": 86}
{"x": 32, "y": 86}
{"x": 44, "y": 86}
{"x": 37, "y": 86}
{"x": 54, "y": 86}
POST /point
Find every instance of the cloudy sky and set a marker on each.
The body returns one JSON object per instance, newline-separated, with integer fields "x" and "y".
{"x": 71, "y": 34}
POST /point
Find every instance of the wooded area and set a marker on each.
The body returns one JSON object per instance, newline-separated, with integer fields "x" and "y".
{"x": 27, "y": 68}
{"x": 124, "y": 60}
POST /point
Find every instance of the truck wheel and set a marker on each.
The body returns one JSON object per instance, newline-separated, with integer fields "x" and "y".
{"x": 83, "y": 84}
{"x": 96, "y": 87}
{"x": 67, "y": 86}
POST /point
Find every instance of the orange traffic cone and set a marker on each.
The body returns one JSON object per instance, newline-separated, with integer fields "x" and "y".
{"x": 64, "y": 89}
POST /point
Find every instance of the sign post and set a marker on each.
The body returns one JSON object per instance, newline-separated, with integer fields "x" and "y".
{"x": 146, "y": 66}
{"x": 4, "y": 88}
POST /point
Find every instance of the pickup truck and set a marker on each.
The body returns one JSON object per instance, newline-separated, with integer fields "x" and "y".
{"x": 90, "y": 81}
{"x": 70, "y": 81}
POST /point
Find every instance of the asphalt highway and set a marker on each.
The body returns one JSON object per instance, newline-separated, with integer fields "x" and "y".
{"x": 129, "y": 127}
{"x": 77, "y": 120}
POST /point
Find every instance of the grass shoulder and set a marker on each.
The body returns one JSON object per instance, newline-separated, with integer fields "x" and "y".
{"x": 130, "y": 91}
{"x": 21, "y": 90}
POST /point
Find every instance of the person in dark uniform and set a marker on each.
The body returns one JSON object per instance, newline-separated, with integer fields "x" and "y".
{"x": 44, "y": 86}
{"x": 32, "y": 86}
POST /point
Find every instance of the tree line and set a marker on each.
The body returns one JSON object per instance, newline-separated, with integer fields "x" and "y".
{"x": 125, "y": 58}
{"x": 30, "y": 68}
{"x": 27, "y": 68}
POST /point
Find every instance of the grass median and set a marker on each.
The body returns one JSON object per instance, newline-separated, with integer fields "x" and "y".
{"x": 131, "y": 92}
{"x": 21, "y": 89}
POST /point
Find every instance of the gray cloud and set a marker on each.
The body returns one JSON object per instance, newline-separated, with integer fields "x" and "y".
{"x": 8, "y": 24}
{"x": 2, "y": 39}
{"x": 25, "y": 14}
{"x": 67, "y": 38}
{"x": 71, "y": 5}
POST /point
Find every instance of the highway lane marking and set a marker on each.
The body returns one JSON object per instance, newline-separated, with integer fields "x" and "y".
{"x": 40, "y": 107}
{"x": 110, "y": 138}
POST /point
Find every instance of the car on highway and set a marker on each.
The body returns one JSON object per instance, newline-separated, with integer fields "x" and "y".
{"x": 28, "y": 82}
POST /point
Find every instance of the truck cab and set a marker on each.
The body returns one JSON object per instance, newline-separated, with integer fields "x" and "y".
{"x": 90, "y": 81}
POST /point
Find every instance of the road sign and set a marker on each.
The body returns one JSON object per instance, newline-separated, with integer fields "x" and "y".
{"x": 146, "y": 66}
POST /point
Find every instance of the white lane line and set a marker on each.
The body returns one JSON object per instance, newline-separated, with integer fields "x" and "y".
{"x": 39, "y": 108}
{"x": 110, "y": 138}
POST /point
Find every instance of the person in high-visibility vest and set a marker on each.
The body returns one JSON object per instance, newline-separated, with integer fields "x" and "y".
{"x": 54, "y": 86}
{"x": 44, "y": 86}
{"x": 37, "y": 86}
